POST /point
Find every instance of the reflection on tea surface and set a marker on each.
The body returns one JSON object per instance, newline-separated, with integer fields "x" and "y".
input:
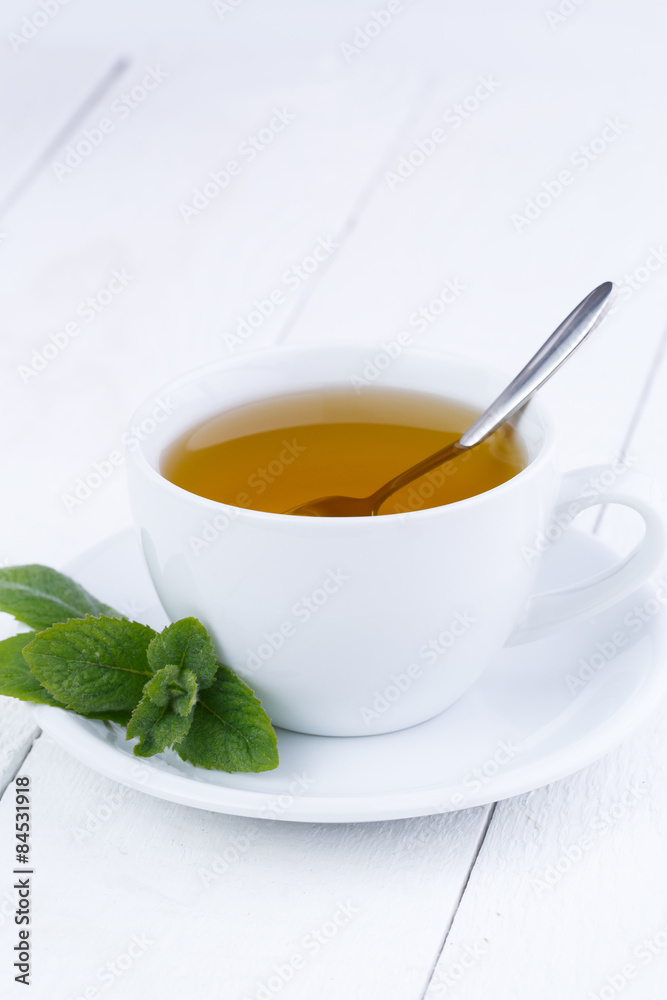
{"x": 277, "y": 453}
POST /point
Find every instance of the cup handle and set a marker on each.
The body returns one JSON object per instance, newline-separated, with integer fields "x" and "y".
{"x": 545, "y": 613}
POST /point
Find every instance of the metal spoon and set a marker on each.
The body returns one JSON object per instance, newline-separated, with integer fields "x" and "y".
{"x": 562, "y": 342}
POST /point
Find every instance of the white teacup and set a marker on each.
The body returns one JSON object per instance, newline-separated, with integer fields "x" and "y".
{"x": 355, "y": 626}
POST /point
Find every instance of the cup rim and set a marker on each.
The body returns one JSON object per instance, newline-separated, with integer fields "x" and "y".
{"x": 139, "y": 458}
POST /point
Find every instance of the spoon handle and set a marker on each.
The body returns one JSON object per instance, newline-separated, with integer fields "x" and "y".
{"x": 565, "y": 339}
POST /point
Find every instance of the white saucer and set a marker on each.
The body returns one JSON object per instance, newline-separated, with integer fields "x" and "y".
{"x": 518, "y": 728}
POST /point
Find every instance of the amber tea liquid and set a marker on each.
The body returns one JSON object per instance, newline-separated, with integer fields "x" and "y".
{"x": 277, "y": 453}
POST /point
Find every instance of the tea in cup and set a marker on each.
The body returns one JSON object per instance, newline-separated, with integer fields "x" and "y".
{"x": 348, "y": 626}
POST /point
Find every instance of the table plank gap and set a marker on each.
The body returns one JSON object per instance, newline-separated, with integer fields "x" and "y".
{"x": 464, "y": 886}
{"x": 61, "y": 137}
{"x": 17, "y": 759}
{"x": 655, "y": 367}
{"x": 358, "y": 207}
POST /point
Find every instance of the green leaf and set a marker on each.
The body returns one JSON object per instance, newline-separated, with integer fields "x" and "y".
{"x": 16, "y": 680}
{"x": 230, "y": 730}
{"x": 157, "y": 727}
{"x": 93, "y": 665}
{"x": 185, "y": 643}
{"x": 122, "y": 718}
{"x": 83, "y": 656}
{"x": 40, "y": 597}
{"x": 166, "y": 710}
{"x": 173, "y": 687}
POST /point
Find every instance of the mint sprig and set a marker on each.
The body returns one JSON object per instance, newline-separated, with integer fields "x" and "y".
{"x": 230, "y": 730}
{"x": 166, "y": 710}
{"x": 39, "y": 597}
{"x": 16, "y": 680}
{"x": 188, "y": 644}
{"x": 167, "y": 688}
{"x": 92, "y": 664}
{"x": 184, "y": 662}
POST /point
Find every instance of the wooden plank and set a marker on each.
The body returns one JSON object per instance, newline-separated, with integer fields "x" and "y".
{"x": 644, "y": 450}
{"x": 567, "y": 893}
{"x": 450, "y": 219}
{"x": 18, "y": 729}
{"x": 254, "y": 894}
{"x": 432, "y": 857}
{"x": 17, "y": 735}
{"x": 398, "y": 260}
{"x": 61, "y": 90}
{"x": 569, "y": 883}
{"x": 189, "y": 284}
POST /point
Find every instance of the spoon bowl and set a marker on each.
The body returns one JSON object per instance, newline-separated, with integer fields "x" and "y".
{"x": 335, "y": 507}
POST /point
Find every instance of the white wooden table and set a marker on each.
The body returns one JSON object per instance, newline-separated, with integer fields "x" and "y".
{"x": 442, "y": 906}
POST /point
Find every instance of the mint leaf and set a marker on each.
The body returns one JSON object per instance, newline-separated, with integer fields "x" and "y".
{"x": 40, "y": 597}
{"x": 157, "y": 728}
{"x": 16, "y": 680}
{"x": 92, "y": 665}
{"x": 122, "y": 718}
{"x": 167, "y": 689}
{"x": 166, "y": 710}
{"x": 174, "y": 688}
{"x": 230, "y": 730}
{"x": 186, "y": 643}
